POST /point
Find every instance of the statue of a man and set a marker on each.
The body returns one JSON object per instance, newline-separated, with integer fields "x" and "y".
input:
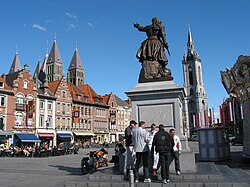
{"x": 151, "y": 53}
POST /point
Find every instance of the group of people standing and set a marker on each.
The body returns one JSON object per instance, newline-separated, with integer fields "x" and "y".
{"x": 156, "y": 147}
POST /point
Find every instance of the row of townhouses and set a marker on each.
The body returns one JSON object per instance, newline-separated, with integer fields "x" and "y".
{"x": 48, "y": 108}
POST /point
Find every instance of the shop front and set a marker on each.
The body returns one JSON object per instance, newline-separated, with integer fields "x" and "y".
{"x": 64, "y": 136}
{"x": 83, "y": 137}
{"x": 22, "y": 139}
{"x": 47, "y": 138}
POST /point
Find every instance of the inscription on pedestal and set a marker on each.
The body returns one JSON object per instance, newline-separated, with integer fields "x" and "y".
{"x": 158, "y": 114}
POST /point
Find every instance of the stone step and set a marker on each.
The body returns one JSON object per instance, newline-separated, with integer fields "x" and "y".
{"x": 155, "y": 184}
{"x": 174, "y": 178}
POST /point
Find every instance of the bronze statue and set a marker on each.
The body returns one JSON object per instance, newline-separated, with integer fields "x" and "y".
{"x": 151, "y": 53}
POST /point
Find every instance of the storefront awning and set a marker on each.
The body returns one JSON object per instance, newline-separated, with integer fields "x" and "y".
{"x": 6, "y": 133}
{"x": 46, "y": 135}
{"x": 64, "y": 135}
{"x": 27, "y": 138}
{"x": 84, "y": 133}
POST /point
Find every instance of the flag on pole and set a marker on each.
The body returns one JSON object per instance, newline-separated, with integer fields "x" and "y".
{"x": 198, "y": 119}
{"x": 205, "y": 118}
{"x": 210, "y": 117}
{"x": 221, "y": 115}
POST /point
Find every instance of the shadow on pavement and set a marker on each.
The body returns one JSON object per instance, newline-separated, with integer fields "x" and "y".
{"x": 237, "y": 161}
{"x": 71, "y": 170}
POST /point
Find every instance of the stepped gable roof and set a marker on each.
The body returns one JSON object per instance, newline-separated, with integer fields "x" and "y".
{"x": 54, "y": 55}
{"x": 15, "y": 66}
{"x": 53, "y": 86}
{"x": 76, "y": 62}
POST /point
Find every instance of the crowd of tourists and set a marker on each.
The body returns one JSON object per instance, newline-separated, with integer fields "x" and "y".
{"x": 158, "y": 148}
{"x": 43, "y": 150}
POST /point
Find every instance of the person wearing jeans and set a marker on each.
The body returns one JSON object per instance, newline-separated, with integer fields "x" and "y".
{"x": 140, "y": 140}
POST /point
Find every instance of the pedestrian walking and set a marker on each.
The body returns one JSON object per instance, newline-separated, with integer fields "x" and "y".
{"x": 140, "y": 140}
{"x": 162, "y": 145}
{"x": 155, "y": 157}
{"x": 130, "y": 147}
{"x": 176, "y": 151}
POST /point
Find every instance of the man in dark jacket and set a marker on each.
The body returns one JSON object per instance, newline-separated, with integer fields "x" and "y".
{"x": 162, "y": 144}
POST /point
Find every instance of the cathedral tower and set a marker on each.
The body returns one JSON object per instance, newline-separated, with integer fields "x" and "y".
{"x": 54, "y": 66}
{"x": 75, "y": 70}
{"x": 195, "y": 106}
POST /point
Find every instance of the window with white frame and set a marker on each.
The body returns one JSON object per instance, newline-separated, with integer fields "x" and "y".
{"x": 2, "y": 100}
{"x": 41, "y": 121}
{"x": 25, "y": 84}
{"x": 1, "y": 85}
{"x": 41, "y": 104}
{"x": 49, "y": 105}
{"x": 49, "y": 122}
{"x": 19, "y": 120}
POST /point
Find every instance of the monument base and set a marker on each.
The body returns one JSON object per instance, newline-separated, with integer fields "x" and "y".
{"x": 161, "y": 103}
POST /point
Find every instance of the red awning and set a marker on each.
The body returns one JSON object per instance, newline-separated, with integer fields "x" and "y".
{"x": 46, "y": 135}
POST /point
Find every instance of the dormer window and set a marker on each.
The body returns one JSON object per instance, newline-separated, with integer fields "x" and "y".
{"x": 1, "y": 85}
{"x": 86, "y": 99}
{"x": 25, "y": 84}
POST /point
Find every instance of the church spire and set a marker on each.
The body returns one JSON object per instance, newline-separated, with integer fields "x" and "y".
{"x": 54, "y": 54}
{"x": 75, "y": 70}
{"x": 15, "y": 64}
{"x": 190, "y": 43}
{"x": 76, "y": 62}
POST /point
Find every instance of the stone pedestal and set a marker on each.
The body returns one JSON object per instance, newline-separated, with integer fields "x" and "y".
{"x": 161, "y": 103}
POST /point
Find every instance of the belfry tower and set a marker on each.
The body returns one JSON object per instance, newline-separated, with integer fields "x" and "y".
{"x": 54, "y": 66}
{"x": 195, "y": 103}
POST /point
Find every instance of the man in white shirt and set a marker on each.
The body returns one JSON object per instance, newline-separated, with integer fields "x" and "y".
{"x": 176, "y": 151}
{"x": 155, "y": 157}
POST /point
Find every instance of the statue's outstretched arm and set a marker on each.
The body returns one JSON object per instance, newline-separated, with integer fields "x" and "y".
{"x": 139, "y": 27}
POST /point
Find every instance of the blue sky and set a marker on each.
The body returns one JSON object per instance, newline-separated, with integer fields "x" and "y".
{"x": 107, "y": 41}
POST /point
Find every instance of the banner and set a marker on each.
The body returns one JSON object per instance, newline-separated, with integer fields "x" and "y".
{"x": 210, "y": 117}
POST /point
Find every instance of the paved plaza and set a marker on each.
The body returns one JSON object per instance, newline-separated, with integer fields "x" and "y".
{"x": 65, "y": 170}
{"x": 44, "y": 172}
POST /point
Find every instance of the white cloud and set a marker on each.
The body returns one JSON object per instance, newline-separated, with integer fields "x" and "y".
{"x": 39, "y": 27}
{"x": 90, "y": 24}
{"x": 71, "y": 26}
{"x": 71, "y": 15}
